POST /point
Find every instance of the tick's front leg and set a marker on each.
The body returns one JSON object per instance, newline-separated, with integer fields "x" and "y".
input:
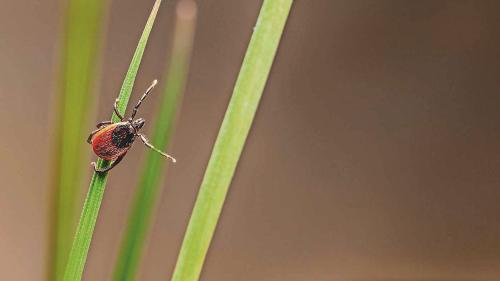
{"x": 115, "y": 109}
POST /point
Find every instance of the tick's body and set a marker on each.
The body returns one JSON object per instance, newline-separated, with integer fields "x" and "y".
{"x": 111, "y": 141}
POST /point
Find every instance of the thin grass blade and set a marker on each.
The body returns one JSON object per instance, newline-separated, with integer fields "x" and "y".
{"x": 85, "y": 228}
{"x": 149, "y": 186}
{"x": 231, "y": 139}
{"x": 79, "y": 63}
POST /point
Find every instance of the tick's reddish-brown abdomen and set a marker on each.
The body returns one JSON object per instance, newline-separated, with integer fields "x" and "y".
{"x": 102, "y": 144}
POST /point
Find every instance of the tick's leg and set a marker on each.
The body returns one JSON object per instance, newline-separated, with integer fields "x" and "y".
{"x": 136, "y": 107}
{"x": 99, "y": 127}
{"x": 110, "y": 166}
{"x": 146, "y": 142}
{"x": 103, "y": 123}
{"x": 89, "y": 139}
{"x": 115, "y": 108}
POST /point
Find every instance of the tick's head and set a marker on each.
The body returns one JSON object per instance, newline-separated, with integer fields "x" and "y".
{"x": 138, "y": 123}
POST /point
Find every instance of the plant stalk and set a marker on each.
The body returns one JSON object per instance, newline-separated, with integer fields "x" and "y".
{"x": 85, "y": 228}
{"x": 231, "y": 138}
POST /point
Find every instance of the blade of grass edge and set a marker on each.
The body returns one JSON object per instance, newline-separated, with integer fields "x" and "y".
{"x": 149, "y": 187}
{"x": 86, "y": 224}
{"x": 231, "y": 139}
{"x": 81, "y": 40}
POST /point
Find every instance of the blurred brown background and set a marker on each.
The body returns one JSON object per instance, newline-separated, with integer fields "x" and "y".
{"x": 374, "y": 154}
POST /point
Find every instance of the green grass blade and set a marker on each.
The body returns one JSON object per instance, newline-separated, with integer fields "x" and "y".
{"x": 231, "y": 139}
{"x": 85, "y": 228}
{"x": 154, "y": 166}
{"x": 81, "y": 41}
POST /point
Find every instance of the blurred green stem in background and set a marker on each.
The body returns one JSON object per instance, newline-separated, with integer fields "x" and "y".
{"x": 231, "y": 139}
{"x": 154, "y": 166}
{"x": 85, "y": 228}
{"x": 79, "y": 67}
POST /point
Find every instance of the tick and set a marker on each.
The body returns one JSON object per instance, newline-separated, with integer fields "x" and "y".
{"x": 111, "y": 141}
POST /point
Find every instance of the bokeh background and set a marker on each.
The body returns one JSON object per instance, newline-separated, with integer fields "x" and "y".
{"x": 374, "y": 154}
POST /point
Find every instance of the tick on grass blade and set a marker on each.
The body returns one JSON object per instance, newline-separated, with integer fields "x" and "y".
{"x": 111, "y": 141}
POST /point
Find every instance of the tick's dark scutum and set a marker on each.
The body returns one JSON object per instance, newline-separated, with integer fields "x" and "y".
{"x": 123, "y": 136}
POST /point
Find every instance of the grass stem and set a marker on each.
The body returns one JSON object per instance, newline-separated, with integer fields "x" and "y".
{"x": 85, "y": 228}
{"x": 231, "y": 138}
